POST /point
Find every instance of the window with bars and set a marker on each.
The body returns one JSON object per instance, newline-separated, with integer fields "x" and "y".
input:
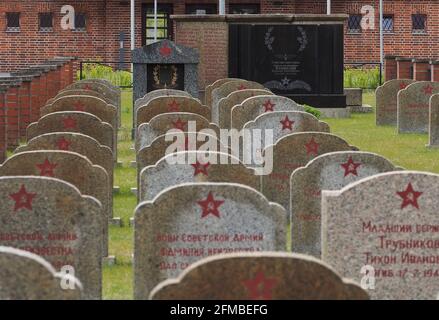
{"x": 388, "y": 23}
{"x": 13, "y": 21}
{"x": 164, "y": 23}
{"x": 419, "y": 23}
{"x": 201, "y": 9}
{"x": 253, "y": 8}
{"x": 46, "y": 21}
{"x": 354, "y": 23}
{"x": 80, "y": 21}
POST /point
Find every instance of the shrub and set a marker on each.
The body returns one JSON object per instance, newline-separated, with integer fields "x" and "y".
{"x": 362, "y": 78}
{"x": 315, "y": 112}
{"x": 97, "y": 71}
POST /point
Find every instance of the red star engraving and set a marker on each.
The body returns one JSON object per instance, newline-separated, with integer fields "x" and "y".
{"x": 242, "y": 87}
{"x": 350, "y": 167}
{"x": 69, "y": 123}
{"x": 173, "y": 106}
{"x": 269, "y": 106}
{"x": 165, "y": 50}
{"x": 402, "y": 85}
{"x": 79, "y": 106}
{"x": 46, "y": 168}
{"x": 409, "y": 197}
{"x": 287, "y": 124}
{"x": 179, "y": 124}
{"x": 200, "y": 168}
{"x": 87, "y": 87}
{"x": 260, "y": 287}
{"x": 428, "y": 89}
{"x": 210, "y": 206}
{"x": 312, "y": 147}
{"x": 63, "y": 144}
{"x": 23, "y": 199}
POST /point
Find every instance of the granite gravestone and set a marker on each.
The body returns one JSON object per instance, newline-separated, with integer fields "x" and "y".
{"x": 433, "y": 128}
{"x": 213, "y": 86}
{"x": 51, "y": 218}
{"x": 192, "y": 221}
{"x": 331, "y": 171}
{"x": 226, "y": 104}
{"x": 386, "y": 227}
{"x": 194, "y": 166}
{"x": 293, "y": 151}
{"x": 413, "y": 106}
{"x": 301, "y": 61}
{"x": 26, "y": 276}
{"x": 253, "y": 107}
{"x": 386, "y": 101}
{"x": 259, "y": 276}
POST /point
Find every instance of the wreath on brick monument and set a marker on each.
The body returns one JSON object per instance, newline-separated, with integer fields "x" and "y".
{"x": 156, "y": 76}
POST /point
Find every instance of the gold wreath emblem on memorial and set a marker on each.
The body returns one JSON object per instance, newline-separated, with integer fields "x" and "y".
{"x": 156, "y": 76}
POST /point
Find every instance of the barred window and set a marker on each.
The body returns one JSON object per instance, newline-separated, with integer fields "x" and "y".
{"x": 253, "y": 8}
{"x": 46, "y": 21}
{"x": 13, "y": 21}
{"x": 388, "y": 23}
{"x": 419, "y": 23}
{"x": 354, "y": 23}
{"x": 80, "y": 22}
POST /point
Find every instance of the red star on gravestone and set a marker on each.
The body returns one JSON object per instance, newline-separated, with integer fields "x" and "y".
{"x": 350, "y": 167}
{"x": 179, "y": 124}
{"x": 165, "y": 50}
{"x": 242, "y": 87}
{"x": 312, "y": 147}
{"x": 63, "y": 144}
{"x": 69, "y": 123}
{"x": 200, "y": 168}
{"x": 46, "y": 168}
{"x": 409, "y": 197}
{"x": 173, "y": 106}
{"x": 260, "y": 287}
{"x": 269, "y": 106}
{"x": 428, "y": 89}
{"x": 87, "y": 87}
{"x": 23, "y": 199}
{"x": 402, "y": 85}
{"x": 79, "y": 106}
{"x": 287, "y": 124}
{"x": 210, "y": 206}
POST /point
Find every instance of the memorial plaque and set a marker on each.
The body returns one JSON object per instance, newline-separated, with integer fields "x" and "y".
{"x": 165, "y": 76}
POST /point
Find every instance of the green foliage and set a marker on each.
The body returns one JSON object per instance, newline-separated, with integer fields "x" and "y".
{"x": 362, "y": 78}
{"x": 97, "y": 71}
{"x": 315, "y": 112}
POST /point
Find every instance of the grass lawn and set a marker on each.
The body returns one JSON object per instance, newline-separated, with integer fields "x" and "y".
{"x": 406, "y": 150}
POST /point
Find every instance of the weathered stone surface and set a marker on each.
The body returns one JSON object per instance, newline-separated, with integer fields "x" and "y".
{"x": 74, "y": 121}
{"x": 213, "y": 86}
{"x": 226, "y": 104}
{"x": 79, "y": 92}
{"x": 388, "y": 222}
{"x": 202, "y": 219}
{"x": 413, "y": 106}
{"x": 159, "y": 93}
{"x": 26, "y": 276}
{"x": 253, "y": 107}
{"x": 386, "y": 101}
{"x": 354, "y": 97}
{"x": 331, "y": 171}
{"x": 433, "y": 128}
{"x": 162, "y": 105}
{"x": 227, "y": 88}
{"x": 294, "y": 151}
{"x": 51, "y": 218}
{"x": 68, "y": 166}
{"x": 259, "y": 276}
{"x": 163, "y": 123}
{"x": 194, "y": 166}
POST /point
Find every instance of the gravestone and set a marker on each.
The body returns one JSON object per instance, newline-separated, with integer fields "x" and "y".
{"x": 294, "y": 151}
{"x": 51, "y": 218}
{"x": 26, "y": 276}
{"x": 91, "y": 180}
{"x": 413, "y": 106}
{"x": 259, "y": 276}
{"x": 393, "y": 231}
{"x": 197, "y": 166}
{"x": 213, "y": 86}
{"x": 227, "y": 88}
{"x": 74, "y": 121}
{"x": 331, "y": 171}
{"x": 253, "y": 107}
{"x": 162, "y": 105}
{"x": 191, "y": 221}
{"x": 433, "y": 128}
{"x": 79, "y": 92}
{"x": 226, "y": 104}
{"x": 386, "y": 101}
{"x": 163, "y": 123}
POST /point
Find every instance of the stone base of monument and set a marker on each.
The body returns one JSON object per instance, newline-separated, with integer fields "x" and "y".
{"x": 134, "y": 191}
{"x": 116, "y": 221}
{"x": 131, "y": 222}
{"x": 133, "y": 164}
{"x": 365, "y": 108}
{"x": 335, "y": 112}
{"x": 116, "y": 190}
{"x": 109, "y": 261}
{"x": 432, "y": 146}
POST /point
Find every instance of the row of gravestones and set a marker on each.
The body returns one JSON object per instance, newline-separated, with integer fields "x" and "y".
{"x": 195, "y": 204}
{"x": 57, "y": 197}
{"x": 413, "y": 106}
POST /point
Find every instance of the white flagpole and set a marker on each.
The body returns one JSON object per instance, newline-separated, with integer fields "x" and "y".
{"x": 155, "y": 20}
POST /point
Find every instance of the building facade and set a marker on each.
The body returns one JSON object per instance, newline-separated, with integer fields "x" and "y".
{"x": 31, "y": 31}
